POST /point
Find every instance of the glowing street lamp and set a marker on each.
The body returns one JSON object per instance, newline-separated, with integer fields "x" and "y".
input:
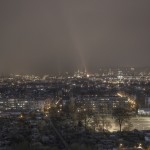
{"x": 120, "y": 145}
{"x": 140, "y": 145}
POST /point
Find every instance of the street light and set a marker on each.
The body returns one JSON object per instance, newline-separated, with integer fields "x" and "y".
{"x": 140, "y": 145}
{"x": 120, "y": 145}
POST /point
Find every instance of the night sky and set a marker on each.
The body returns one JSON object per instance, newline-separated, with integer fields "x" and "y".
{"x": 63, "y": 35}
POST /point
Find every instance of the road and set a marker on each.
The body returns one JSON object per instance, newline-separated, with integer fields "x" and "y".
{"x": 59, "y": 135}
{"x": 139, "y": 123}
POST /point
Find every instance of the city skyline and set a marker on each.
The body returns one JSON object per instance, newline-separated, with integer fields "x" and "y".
{"x": 74, "y": 75}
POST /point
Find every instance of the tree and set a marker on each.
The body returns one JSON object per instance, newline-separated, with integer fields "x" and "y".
{"x": 101, "y": 122}
{"x": 102, "y": 114}
{"x": 121, "y": 116}
{"x": 55, "y": 113}
{"x": 85, "y": 114}
{"x": 96, "y": 121}
{"x": 70, "y": 111}
{"x": 105, "y": 123}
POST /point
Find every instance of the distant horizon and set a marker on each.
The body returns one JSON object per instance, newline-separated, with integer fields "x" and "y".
{"x": 140, "y": 68}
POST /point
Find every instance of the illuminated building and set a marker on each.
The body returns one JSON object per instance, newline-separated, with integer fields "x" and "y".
{"x": 103, "y": 104}
{"x": 20, "y": 105}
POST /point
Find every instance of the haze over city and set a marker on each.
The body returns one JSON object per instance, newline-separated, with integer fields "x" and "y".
{"x": 55, "y": 36}
{"x": 74, "y": 75}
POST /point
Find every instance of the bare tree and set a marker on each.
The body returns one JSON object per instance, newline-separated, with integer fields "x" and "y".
{"x": 102, "y": 114}
{"x": 86, "y": 113}
{"x": 121, "y": 116}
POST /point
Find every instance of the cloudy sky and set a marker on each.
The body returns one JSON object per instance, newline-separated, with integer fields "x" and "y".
{"x": 62, "y": 35}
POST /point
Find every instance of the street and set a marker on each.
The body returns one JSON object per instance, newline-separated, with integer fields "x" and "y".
{"x": 141, "y": 123}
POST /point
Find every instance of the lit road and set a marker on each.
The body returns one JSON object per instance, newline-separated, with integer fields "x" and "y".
{"x": 139, "y": 123}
